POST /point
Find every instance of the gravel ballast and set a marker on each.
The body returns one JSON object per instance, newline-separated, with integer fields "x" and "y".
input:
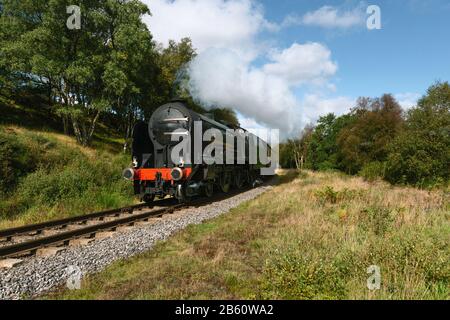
{"x": 39, "y": 275}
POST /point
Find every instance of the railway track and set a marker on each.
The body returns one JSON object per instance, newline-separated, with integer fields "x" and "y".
{"x": 9, "y": 234}
{"x": 27, "y": 240}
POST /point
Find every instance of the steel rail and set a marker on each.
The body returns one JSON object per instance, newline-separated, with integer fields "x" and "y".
{"x": 65, "y": 237}
{"x": 60, "y": 223}
{"x": 8, "y": 233}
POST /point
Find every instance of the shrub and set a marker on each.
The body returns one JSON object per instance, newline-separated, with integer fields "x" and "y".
{"x": 365, "y": 140}
{"x": 375, "y": 219}
{"x": 95, "y": 183}
{"x": 420, "y": 155}
{"x": 329, "y": 195}
{"x": 15, "y": 161}
{"x": 293, "y": 276}
{"x": 42, "y": 178}
{"x": 373, "y": 171}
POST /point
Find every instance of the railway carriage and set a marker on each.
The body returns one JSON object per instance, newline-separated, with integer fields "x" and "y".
{"x": 156, "y": 173}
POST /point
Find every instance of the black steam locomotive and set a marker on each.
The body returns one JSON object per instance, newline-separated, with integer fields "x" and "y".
{"x": 158, "y": 173}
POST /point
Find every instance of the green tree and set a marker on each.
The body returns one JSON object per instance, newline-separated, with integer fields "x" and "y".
{"x": 88, "y": 71}
{"x": 294, "y": 153}
{"x": 376, "y": 123}
{"x": 173, "y": 64}
{"x": 324, "y": 151}
{"x": 420, "y": 155}
{"x": 132, "y": 72}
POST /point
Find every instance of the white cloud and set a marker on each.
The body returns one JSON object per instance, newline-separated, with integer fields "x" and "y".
{"x": 328, "y": 17}
{"x": 227, "y": 35}
{"x": 303, "y": 63}
{"x": 315, "y": 106}
{"x": 232, "y": 24}
{"x": 407, "y": 100}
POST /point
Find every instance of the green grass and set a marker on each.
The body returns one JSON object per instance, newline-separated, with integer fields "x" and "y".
{"x": 46, "y": 175}
{"x": 312, "y": 237}
{"x": 35, "y": 115}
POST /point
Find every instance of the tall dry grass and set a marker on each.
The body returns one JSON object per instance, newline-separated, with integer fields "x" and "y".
{"x": 312, "y": 237}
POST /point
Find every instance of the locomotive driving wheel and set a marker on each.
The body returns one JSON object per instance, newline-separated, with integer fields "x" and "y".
{"x": 225, "y": 182}
{"x": 209, "y": 189}
{"x": 238, "y": 179}
{"x": 251, "y": 178}
{"x": 181, "y": 196}
{"x": 148, "y": 198}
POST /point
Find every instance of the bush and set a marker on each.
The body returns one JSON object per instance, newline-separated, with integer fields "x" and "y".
{"x": 51, "y": 187}
{"x": 15, "y": 161}
{"x": 416, "y": 161}
{"x": 42, "y": 178}
{"x": 293, "y": 276}
{"x": 375, "y": 219}
{"x": 373, "y": 171}
{"x": 420, "y": 155}
{"x": 328, "y": 195}
{"x": 84, "y": 183}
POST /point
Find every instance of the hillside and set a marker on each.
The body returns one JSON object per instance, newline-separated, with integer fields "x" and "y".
{"x": 47, "y": 175}
{"x": 312, "y": 237}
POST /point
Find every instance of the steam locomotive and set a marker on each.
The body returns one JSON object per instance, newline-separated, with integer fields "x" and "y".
{"x": 160, "y": 170}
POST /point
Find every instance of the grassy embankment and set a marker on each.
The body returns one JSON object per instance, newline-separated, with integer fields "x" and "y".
{"x": 45, "y": 175}
{"x": 312, "y": 237}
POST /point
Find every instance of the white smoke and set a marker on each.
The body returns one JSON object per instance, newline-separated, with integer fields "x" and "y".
{"x": 221, "y": 77}
{"x": 287, "y": 91}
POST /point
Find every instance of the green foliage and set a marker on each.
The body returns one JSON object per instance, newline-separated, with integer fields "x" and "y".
{"x": 375, "y": 141}
{"x": 373, "y": 170}
{"x": 107, "y": 64}
{"x": 287, "y": 154}
{"x": 173, "y": 62}
{"x": 376, "y": 219}
{"x": 42, "y": 177}
{"x": 13, "y": 163}
{"x": 295, "y": 152}
{"x": 294, "y": 276}
{"x": 21, "y": 154}
{"x": 408, "y": 250}
{"x": 227, "y": 116}
{"x": 324, "y": 153}
{"x": 420, "y": 155}
{"x": 366, "y": 139}
{"x": 328, "y": 195}
{"x": 94, "y": 182}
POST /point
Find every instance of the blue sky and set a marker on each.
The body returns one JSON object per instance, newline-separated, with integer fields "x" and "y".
{"x": 411, "y": 51}
{"x": 282, "y": 64}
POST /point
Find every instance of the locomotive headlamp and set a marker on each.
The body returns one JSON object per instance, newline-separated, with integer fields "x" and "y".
{"x": 176, "y": 174}
{"x": 128, "y": 174}
{"x": 135, "y": 162}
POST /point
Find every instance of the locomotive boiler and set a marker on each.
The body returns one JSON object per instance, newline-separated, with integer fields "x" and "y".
{"x": 171, "y": 158}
